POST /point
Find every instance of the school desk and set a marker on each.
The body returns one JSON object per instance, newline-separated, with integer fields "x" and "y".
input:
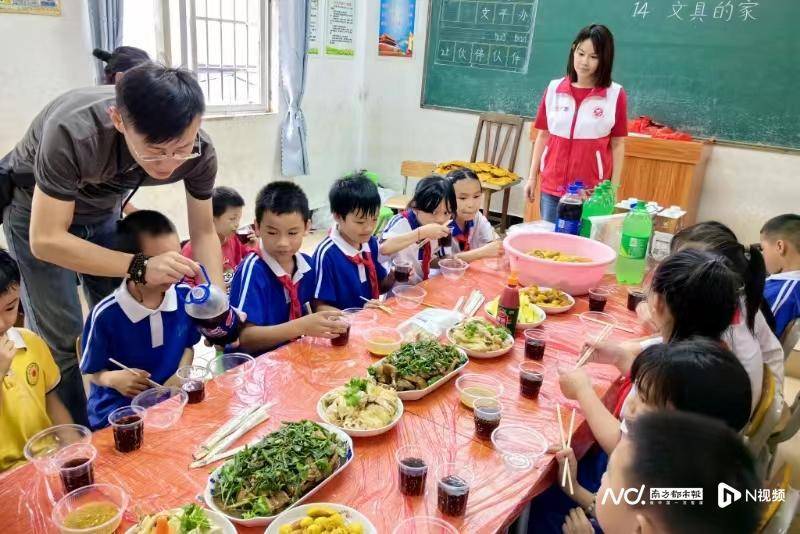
{"x": 294, "y": 377}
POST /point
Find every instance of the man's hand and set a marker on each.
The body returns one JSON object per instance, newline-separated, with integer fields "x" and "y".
{"x": 170, "y": 268}
{"x": 127, "y": 383}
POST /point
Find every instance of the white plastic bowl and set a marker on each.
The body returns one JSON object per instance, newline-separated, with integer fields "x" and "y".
{"x": 164, "y": 406}
{"x": 409, "y": 297}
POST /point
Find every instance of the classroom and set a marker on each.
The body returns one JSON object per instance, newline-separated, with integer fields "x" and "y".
{"x": 399, "y": 266}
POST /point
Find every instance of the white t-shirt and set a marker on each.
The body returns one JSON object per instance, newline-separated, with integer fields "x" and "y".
{"x": 399, "y": 225}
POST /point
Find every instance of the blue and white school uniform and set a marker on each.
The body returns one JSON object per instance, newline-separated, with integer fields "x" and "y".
{"x": 476, "y": 233}
{"x": 120, "y": 327}
{"x": 782, "y": 291}
{"x": 258, "y": 291}
{"x": 343, "y": 272}
{"x": 404, "y": 223}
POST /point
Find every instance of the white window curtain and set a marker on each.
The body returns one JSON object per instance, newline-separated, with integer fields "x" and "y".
{"x": 293, "y": 24}
{"x": 105, "y": 21}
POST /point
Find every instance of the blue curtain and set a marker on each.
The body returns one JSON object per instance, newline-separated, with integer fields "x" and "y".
{"x": 293, "y": 22}
{"x": 105, "y": 22}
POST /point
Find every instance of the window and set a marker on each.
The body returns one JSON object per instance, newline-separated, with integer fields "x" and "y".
{"x": 226, "y": 42}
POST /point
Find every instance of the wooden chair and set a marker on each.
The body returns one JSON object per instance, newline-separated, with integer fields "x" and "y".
{"x": 409, "y": 169}
{"x": 493, "y": 127}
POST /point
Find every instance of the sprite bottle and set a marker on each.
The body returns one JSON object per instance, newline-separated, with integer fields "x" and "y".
{"x": 632, "y": 259}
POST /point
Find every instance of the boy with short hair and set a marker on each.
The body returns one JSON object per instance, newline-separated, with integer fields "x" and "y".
{"x": 28, "y": 375}
{"x": 227, "y": 206}
{"x": 780, "y": 241}
{"x": 143, "y": 326}
{"x": 346, "y": 262}
{"x": 275, "y": 287}
{"x": 675, "y": 450}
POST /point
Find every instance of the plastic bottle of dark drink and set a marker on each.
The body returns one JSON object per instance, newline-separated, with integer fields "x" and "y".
{"x": 569, "y": 212}
{"x": 213, "y": 315}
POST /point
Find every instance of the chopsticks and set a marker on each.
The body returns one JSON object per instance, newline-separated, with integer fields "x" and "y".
{"x": 470, "y": 305}
{"x": 153, "y": 383}
{"x": 589, "y": 351}
{"x": 211, "y": 449}
{"x": 618, "y": 327}
{"x": 565, "y": 444}
{"x": 385, "y": 309}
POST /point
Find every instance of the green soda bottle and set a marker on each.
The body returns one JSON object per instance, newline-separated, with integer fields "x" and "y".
{"x": 591, "y": 208}
{"x": 632, "y": 259}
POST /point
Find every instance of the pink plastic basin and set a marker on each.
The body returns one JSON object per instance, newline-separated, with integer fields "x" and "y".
{"x": 574, "y": 278}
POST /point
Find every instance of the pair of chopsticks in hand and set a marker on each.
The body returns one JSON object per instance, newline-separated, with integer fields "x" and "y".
{"x": 566, "y": 442}
{"x": 152, "y": 383}
{"x": 587, "y": 353}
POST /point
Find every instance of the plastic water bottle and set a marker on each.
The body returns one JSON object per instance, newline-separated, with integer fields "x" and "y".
{"x": 582, "y": 192}
{"x": 569, "y": 212}
{"x": 632, "y": 259}
{"x": 213, "y": 315}
{"x": 596, "y": 205}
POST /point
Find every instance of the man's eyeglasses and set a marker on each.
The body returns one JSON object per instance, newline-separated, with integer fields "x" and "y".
{"x": 196, "y": 152}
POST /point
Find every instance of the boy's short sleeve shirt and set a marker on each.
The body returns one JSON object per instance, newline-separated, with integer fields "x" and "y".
{"x": 119, "y": 327}
{"x": 339, "y": 281}
{"x": 32, "y": 375}
{"x": 782, "y": 292}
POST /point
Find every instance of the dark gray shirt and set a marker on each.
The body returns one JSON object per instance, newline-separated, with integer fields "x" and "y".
{"x": 74, "y": 153}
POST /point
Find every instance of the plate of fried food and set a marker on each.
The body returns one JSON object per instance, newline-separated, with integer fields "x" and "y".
{"x": 552, "y": 301}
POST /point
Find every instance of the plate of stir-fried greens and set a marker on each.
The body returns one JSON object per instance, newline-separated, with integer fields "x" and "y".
{"x": 419, "y": 368}
{"x": 279, "y": 472}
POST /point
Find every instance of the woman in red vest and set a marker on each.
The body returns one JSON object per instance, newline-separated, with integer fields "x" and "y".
{"x": 582, "y": 119}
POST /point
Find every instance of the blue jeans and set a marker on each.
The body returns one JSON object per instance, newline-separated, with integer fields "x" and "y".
{"x": 548, "y": 207}
{"x": 49, "y": 295}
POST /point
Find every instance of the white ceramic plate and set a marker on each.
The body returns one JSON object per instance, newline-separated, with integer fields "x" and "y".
{"x": 520, "y": 325}
{"x": 554, "y": 310}
{"x": 416, "y": 394}
{"x": 293, "y": 514}
{"x": 481, "y": 354}
{"x": 361, "y": 433}
{"x": 262, "y": 521}
{"x": 215, "y": 518}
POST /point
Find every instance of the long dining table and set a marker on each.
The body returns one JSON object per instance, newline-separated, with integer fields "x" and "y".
{"x": 293, "y": 377}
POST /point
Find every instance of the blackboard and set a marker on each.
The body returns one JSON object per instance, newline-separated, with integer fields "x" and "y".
{"x": 726, "y": 69}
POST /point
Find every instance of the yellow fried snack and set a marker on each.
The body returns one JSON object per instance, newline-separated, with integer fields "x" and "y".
{"x": 487, "y": 172}
{"x": 556, "y": 255}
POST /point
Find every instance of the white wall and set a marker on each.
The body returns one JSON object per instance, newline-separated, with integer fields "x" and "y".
{"x": 743, "y": 187}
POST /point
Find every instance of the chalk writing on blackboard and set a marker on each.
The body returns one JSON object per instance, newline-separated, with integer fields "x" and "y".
{"x": 723, "y": 11}
{"x": 486, "y": 35}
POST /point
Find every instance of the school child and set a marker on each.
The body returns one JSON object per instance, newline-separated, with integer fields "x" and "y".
{"x": 582, "y": 119}
{"x": 413, "y": 235}
{"x": 346, "y": 262}
{"x": 780, "y": 241}
{"x": 275, "y": 287}
{"x": 473, "y": 235}
{"x": 28, "y": 375}
{"x": 143, "y": 326}
{"x": 672, "y": 449}
{"x": 749, "y": 336}
{"x": 227, "y": 207}
{"x": 698, "y": 375}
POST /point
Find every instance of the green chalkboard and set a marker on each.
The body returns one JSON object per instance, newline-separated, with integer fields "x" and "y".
{"x": 727, "y": 69}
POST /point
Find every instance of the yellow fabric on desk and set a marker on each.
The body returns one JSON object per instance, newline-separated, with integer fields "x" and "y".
{"x": 23, "y": 411}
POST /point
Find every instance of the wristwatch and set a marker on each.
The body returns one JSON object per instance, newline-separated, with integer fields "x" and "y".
{"x": 138, "y": 268}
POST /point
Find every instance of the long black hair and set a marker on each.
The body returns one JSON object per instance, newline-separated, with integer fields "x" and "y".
{"x": 432, "y": 191}
{"x": 747, "y": 262}
{"x": 700, "y": 291}
{"x": 603, "y": 43}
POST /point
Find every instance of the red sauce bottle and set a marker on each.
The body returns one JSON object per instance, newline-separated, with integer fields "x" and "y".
{"x": 508, "y": 307}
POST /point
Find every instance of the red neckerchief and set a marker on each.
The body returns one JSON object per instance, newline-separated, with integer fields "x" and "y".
{"x": 427, "y": 251}
{"x": 295, "y": 310}
{"x": 365, "y": 259}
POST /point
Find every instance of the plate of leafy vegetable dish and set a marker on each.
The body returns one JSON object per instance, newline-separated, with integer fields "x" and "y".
{"x": 190, "y": 519}
{"x": 279, "y": 472}
{"x": 481, "y": 339}
{"x": 419, "y": 368}
{"x": 361, "y": 408}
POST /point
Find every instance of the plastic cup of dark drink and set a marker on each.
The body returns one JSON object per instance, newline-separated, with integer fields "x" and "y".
{"x": 635, "y": 296}
{"x": 535, "y": 343}
{"x": 193, "y": 381}
{"x": 487, "y": 413}
{"x": 128, "y": 426}
{"x": 531, "y": 377}
{"x": 453, "y": 482}
{"x": 446, "y": 241}
{"x": 76, "y": 466}
{"x": 342, "y": 339}
{"x": 598, "y": 298}
{"x": 413, "y": 469}
{"x": 402, "y": 270}
{"x": 244, "y": 233}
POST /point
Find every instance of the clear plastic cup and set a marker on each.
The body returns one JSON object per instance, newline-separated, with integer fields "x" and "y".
{"x": 535, "y": 343}
{"x": 232, "y": 369}
{"x": 42, "y": 448}
{"x": 453, "y": 482}
{"x": 76, "y": 466}
{"x": 402, "y": 270}
{"x": 487, "y": 413}
{"x": 127, "y": 423}
{"x": 193, "y": 381}
{"x": 412, "y": 466}
{"x": 344, "y": 338}
{"x": 424, "y": 525}
{"x": 531, "y": 378}
{"x": 598, "y": 297}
